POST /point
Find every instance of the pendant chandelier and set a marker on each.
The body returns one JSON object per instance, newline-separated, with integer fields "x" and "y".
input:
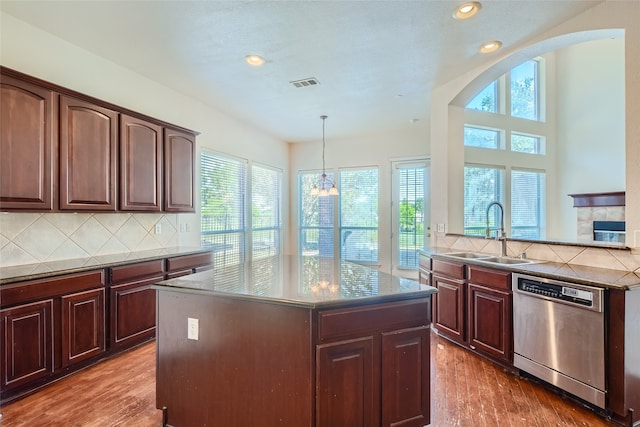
{"x": 325, "y": 186}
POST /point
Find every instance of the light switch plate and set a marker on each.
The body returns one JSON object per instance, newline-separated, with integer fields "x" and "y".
{"x": 192, "y": 328}
{"x": 440, "y": 228}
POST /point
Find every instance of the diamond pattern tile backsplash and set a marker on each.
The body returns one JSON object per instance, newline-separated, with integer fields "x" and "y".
{"x": 610, "y": 258}
{"x": 27, "y": 238}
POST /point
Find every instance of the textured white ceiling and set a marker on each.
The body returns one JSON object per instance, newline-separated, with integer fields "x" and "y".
{"x": 376, "y": 61}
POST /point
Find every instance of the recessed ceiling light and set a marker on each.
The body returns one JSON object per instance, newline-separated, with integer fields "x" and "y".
{"x": 254, "y": 60}
{"x": 467, "y": 10}
{"x": 491, "y": 46}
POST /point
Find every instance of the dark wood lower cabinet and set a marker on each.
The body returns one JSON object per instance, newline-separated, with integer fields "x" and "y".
{"x": 49, "y": 326}
{"x": 133, "y": 312}
{"x": 347, "y": 383}
{"x": 83, "y": 325}
{"x": 54, "y": 326}
{"x": 27, "y": 343}
{"x": 490, "y": 328}
{"x": 406, "y": 377}
{"x": 449, "y": 307}
{"x": 133, "y": 302}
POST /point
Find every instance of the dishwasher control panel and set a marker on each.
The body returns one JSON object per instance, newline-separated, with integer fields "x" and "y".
{"x": 558, "y": 291}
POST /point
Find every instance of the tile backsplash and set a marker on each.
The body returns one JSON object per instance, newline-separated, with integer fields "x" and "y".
{"x": 593, "y": 256}
{"x": 27, "y": 238}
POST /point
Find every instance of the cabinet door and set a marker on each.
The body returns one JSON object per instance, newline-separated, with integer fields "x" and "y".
{"x": 449, "y": 307}
{"x": 29, "y": 143}
{"x": 27, "y": 343}
{"x": 490, "y": 328}
{"x": 88, "y": 162}
{"x": 348, "y": 384}
{"x": 140, "y": 165}
{"x": 82, "y": 326}
{"x": 133, "y": 312}
{"x": 179, "y": 155}
{"x": 406, "y": 378}
{"x": 424, "y": 277}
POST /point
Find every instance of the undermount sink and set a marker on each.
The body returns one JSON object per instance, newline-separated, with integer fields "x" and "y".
{"x": 468, "y": 255}
{"x": 507, "y": 260}
{"x": 497, "y": 260}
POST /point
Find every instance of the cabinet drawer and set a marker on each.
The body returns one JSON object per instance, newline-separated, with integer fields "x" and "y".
{"x": 488, "y": 277}
{"x": 425, "y": 262}
{"x": 344, "y": 322}
{"x": 189, "y": 261}
{"x": 136, "y": 271}
{"x": 447, "y": 268}
{"x": 20, "y": 293}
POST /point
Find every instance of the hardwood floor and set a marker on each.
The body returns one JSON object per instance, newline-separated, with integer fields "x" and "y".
{"x": 466, "y": 391}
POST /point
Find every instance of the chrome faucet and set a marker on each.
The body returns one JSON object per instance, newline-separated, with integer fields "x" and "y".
{"x": 500, "y": 234}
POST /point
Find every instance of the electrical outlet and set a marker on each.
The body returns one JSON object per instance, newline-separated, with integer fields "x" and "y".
{"x": 158, "y": 228}
{"x": 440, "y": 228}
{"x": 192, "y": 328}
{"x": 188, "y": 227}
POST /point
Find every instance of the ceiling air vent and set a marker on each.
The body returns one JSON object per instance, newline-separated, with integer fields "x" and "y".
{"x": 311, "y": 81}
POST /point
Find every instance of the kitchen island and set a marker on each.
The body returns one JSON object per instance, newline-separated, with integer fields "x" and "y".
{"x": 293, "y": 341}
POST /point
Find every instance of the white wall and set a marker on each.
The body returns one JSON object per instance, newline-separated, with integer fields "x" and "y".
{"x": 32, "y": 51}
{"x": 366, "y": 150}
{"x": 590, "y": 130}
{"x": 446, "y": 161}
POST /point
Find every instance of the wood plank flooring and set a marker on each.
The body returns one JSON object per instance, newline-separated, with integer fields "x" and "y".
{"x": 466, "y": 391}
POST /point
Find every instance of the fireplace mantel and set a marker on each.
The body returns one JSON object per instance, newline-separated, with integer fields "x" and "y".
{"x": 590, "y": 200}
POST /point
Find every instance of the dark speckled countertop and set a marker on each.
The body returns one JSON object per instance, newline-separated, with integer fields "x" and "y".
{"x": 601, "y": 277}
{"x": 301, "y": 281}
{"x": 19, "y": 273}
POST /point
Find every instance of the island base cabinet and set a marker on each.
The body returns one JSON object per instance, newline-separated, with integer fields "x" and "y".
{"x": 347, "y": 384}
{"x": 262, "y": 364}
{"x": 250, "y": 364}
{"x": 406, "y": 378}
{"x": 27, "y": 347}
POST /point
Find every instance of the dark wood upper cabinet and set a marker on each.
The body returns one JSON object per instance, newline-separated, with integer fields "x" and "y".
{"x": 29, "y": 144}
{"x": 140, "y": 165}
{"x": 88, "y": 156}
{"x": 66, "y": 151}
{"x": 179, "y": 178}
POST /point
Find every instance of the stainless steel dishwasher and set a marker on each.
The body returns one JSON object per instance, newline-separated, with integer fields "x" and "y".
{"x": 558, "y": 333}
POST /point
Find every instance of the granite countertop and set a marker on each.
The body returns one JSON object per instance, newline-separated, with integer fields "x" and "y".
{"x": 594, "y": 276}
{"x": 19, "y": 273}
{"x": 301, "y": 281}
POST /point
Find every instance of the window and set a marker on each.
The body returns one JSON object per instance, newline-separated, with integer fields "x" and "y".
{"x": 222, "y": 194}
{"x": 265, "y": 212}
{"x": 524, "y": 91}
{"x": 527, "y": 204}
{"x": 481, "y": 137}
{"x": 359, "y": 215}
{"x": 225, "y": 210}
{"x": 266, "y": 226}
{"x": 486, "y": 100}
{"x": 410, "y": 183}
{"x": 355, "y": 236}
{"x": 502, "y": 176}
{"x": 482, "y": 185}
{"x": 485, "y": 184}
{"x": 316, "y": 218}
{"x": 529, "y": 144}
